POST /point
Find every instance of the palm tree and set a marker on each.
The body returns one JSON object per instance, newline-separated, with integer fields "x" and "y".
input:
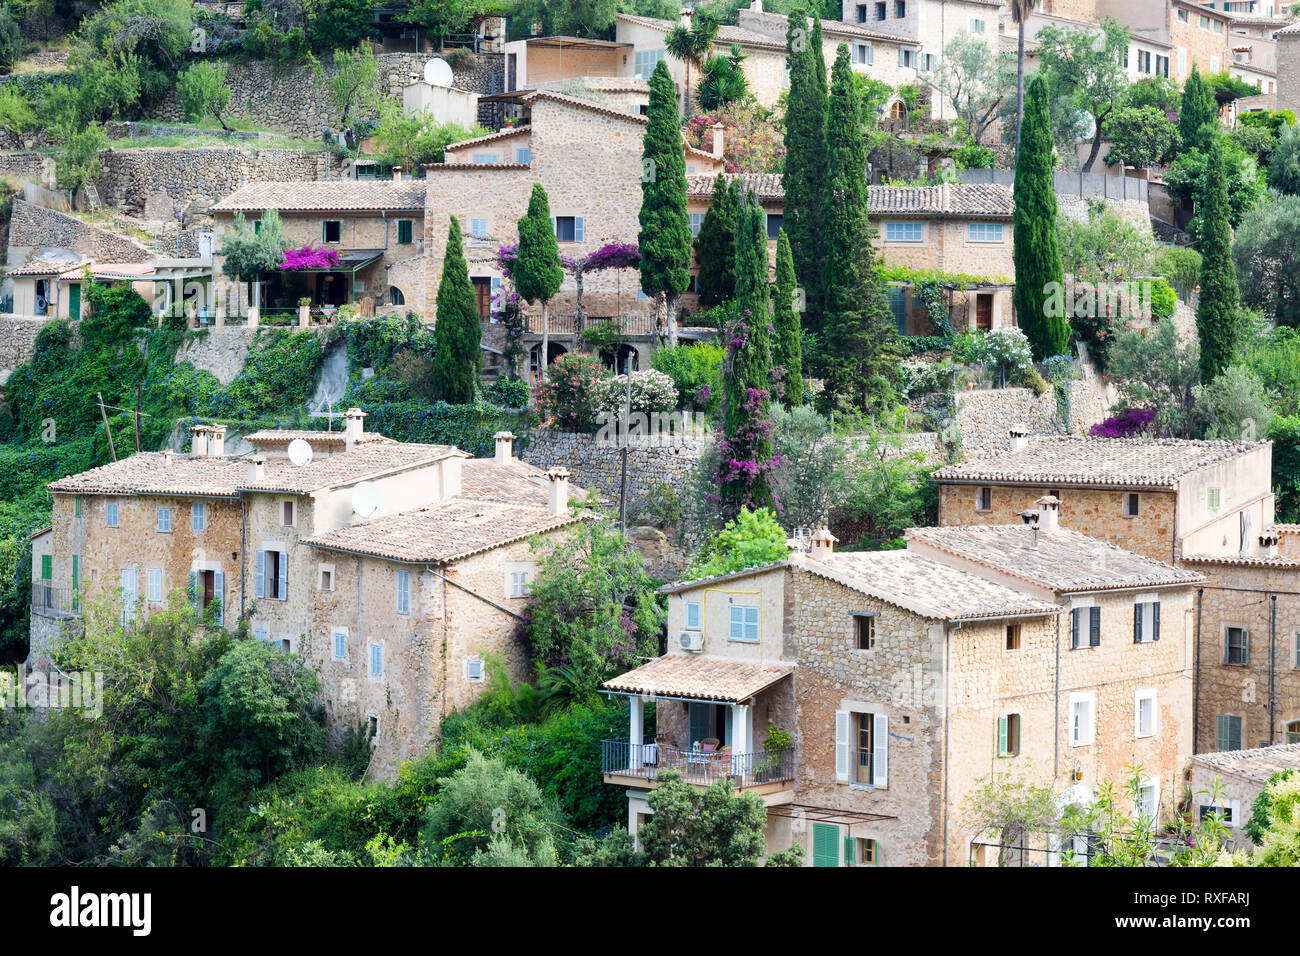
{"x": 692, "y": 45}
{"x": 1020, "y": 10}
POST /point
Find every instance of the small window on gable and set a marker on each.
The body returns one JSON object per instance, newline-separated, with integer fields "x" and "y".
{"x": 287, "y": 513}
{"x": 866, "y": 631}
{"x": 984, "y": 499}
{"x": 1131, "y": 504}
{"x": 332, "y": 230}
{"x": 1213, "y": 499}
{"x": 744, "y": 623}
{"x": 1013, "y": 637}
{"x": 693, "y": 616}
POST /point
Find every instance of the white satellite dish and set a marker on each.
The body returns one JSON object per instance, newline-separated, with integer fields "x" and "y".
{"x": 365, "y": 499}
{"x": 437, "y": 72}
{"x": 299, "y": 452}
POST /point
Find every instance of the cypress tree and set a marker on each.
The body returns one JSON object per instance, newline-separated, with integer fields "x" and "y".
{"x": 805, "y": 174}
{"x": 457, "y": 359}
{"x": 1217, "y": 322}
{"x": 860, "y": 343}
{"x": 787, "y": 351}
{"x": 745, "y": 446}
{"x": 537, "y": 272}
{"x": 1197, "y": 110}
{"x": 665, "y": 236}
{"x": 1037, "y": 253}
{"x": 715, "y": 247}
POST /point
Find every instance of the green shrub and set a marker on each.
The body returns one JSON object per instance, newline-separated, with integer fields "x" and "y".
{"x": 696, "y": 370}
{"x": 508, "y": 393}
{"x": 566, "y": 396}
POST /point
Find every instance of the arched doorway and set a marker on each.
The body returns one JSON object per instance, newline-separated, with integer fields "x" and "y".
{"x": 395, "y": 296}
{"x": 553, "y": 352}
{"x": 618, "y": 363}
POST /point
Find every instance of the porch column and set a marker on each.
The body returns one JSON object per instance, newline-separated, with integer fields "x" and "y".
{"x": 304, "y": 316}
{"x": 972, "y": 310}
{"x": 635, "y": 732}
{"x": 741, "y": 715}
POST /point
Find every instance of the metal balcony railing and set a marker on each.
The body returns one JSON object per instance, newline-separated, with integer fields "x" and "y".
{"x": 53, "y": 601}
{"x": 647, "y": 761}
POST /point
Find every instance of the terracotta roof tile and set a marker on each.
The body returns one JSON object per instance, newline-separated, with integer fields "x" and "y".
{"x": 342, "y": 194}
{"x": 700, "y": 678}
{"x": 951, "y": 199}
{"x": 1063, "y": 560}
{"x": 1258, "y": 764}
{"x": 1121, "y": 462}
{"x": 492, "y": 137}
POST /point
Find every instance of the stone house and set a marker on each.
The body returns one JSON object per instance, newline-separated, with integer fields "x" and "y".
{"x": 1241, "y": 776}
{"x": 1194, "y": 33}
{"x": 394, "y": 569}
{"x": 375, "y": 227}
{"x": 1164, "y": 498}
{"x": 905, "y": 679}
{"x": 1288, "y": 68}
{"x": 954, "y": 227}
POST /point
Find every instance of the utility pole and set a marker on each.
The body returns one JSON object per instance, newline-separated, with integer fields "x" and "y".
{"x": 627, "y": 429}
{"x": 139, "y": 398}
{"x": 107, "y": 431}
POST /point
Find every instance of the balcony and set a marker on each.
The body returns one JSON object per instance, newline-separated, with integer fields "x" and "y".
{"x": 49, "y": 601}
{"x": 639, "y": 765}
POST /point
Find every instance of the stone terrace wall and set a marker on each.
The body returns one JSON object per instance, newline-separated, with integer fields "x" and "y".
{"x": 1134, "y": 212}
{"x": 984, "y": 416}
{"x": 597, "y": 465}
{"x": 35, "y": 226}
{"x": 130, "y": 178}
{"x": 33, "y": 167}
{"x": 17, "y": 342}
{"x": 219, "y": 351}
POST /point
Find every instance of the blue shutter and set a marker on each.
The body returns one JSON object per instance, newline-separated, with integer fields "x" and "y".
{"x": 1137, "y": 623}
{"x": 1074, "y": 627}
{"x": 261, "y": 574}
{"x": 282, "y": 577}
{"x": 577, "y": 229}
{"x": 219, "y": 595}
{"x": 1155, "y": 621}
{"x": 1094, "y": 626}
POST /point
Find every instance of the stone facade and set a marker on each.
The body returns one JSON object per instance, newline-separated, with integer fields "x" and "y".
{"x": 1288, "y": 69}
{"x": 1240, "y": 777}
{"x": 984, "y": 416}
{"x": 33, "y": 227}
{"x": 17, "y": 342}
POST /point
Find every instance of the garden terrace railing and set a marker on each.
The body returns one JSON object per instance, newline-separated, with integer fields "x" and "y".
{"x": 278, "y": 316}
{"x": 565, "y": 323}
{"x": 54, "y": 602}
{"x": 647, "y": 761}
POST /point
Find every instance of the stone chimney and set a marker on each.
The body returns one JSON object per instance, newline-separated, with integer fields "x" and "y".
{"x": 505, "y": 447}
{"x": 823, "y": 544}
{"x": 198, "y": 440}
{"x": 1049, "y": 513}
{"x": 1268, "y": 542}
{"x": 1030, "y": 518}
{"x": 559, "y": 479}
{"x": 1019, "y": 435}
{"x": 684, "y": 18}
{"x": 397, "y": 174}
{"x": 256, "y": 469}
{"x": 168, "y": 455}
{"x": 353, "y": 427}
{"x": 217, "y": 441}
{"x": 718, "y": 132}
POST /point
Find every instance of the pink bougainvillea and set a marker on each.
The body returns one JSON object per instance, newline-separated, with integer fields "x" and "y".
{"x": 750, "y": 143}
{"x": 309, "y": 258}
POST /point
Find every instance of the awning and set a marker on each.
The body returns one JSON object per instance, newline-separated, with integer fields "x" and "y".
{"x": 689, "y": 677}
{"x": 811, "y": 814}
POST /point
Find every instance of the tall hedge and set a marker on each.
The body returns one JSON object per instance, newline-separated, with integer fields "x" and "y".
{"x": 787, "y": 350}
{"x": 665, "y": 236}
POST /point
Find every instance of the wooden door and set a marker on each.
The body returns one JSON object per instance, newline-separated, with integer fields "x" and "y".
{"x": 984, "y": 311}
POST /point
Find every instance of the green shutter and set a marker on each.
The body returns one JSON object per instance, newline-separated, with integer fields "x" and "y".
{"x": 1221, "y": 734}
{"x": 826, "y": 845}
{"x": 1245, "y": 646}
{"x": 76, "y": 579}
{"x": 1002, "y": 737}
{"x": 848, "y": 850}
{"x": 47, "y": 567}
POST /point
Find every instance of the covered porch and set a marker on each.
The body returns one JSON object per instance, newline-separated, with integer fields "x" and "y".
{"x": 705, "y": 724}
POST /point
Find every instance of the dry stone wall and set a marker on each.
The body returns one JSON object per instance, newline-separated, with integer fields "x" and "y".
{"x": 597, "y": 464}
{"x": 17, "y": 343}
{"x": 33, "y": 167}
{"x": 34, "y": 226}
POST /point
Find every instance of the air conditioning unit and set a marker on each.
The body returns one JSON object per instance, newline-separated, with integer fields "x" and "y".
{"x": 690, "y": 641}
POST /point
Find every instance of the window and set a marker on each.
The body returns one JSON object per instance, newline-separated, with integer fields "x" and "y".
{"x": 76, "y": 506}
{"x": 863, "y": 851}
{"x": 1009, "y": 735}
{"x": 1213, "y": 499}
{"x": 486, "y": 159}
{"x": 1085, "y": 626}
{"x": 153, "y": 579}
{"x": 326, "y": 579}
{"x": 774, "y": 223}
{"x": 568, "y": 228}
{"x": 198, "y": 516}
{"x": 862, "y": 748}
{"x": 1204, "y": 23}
{"x": 862, "y": 13}
{"x": 928, "y": 62}
{"x": 404, "y": 232}
{"x": 1146, "y": 621}
{"x": 403, "y": 592}
{"x": 164, "y": 519}
{"x": 881, "y": 9}
{"x": 372, "y": 727}
{"x": 341, "y": 644}
{"x": 524, "y": 155}
{"x": 744, "y": 623}
{"x": 331, "y": 230}
{"x": 1082, "y": 707}
{"x": 1214, "y": 64}
{"x": 904, "y": 232}
{"x": 1228, "y": 733}
{"x": 1236, "y": 645}
{"x": 1228, "y": 811}
{"x": 984, "y": 231}
{"x": 1297, "y": 650}
{"x": 376, "y": 660}
{"x": 976, "y": 26}
{"x": 287, "y": 513}
{"x": 257, "y": 227}
{"x": 518, "y": 583}
{"x": 906, "y": 58}
{"x": 272, "y": 576}
{"x": 1131, "y": 504}
{"x": 864, "y": 54}
{"x": 692, "y": 615}
{"x": 1182, "y": 16}
{"x": 866, "y": 631}
{"x": 1148, "y": 798}
{"x": 1162, "y": 65}
{"x": 395, "y": 295}
{"x": 478, "y": 228}
{"x": 896, "y": 296}
{"x": 645, "y": 61}
{"x": 474, "y": 669}
{"x": 1293, "y": 732}
{"x": 1146, "y": 714}
{"x": 984, "y": 499}
{"x": 129, "y": 593}
{"x": 1013, "y": 637}
{"x": 110, "y": 514}
{"x": 900, "y": 9}
{"x": 697, "y": 220}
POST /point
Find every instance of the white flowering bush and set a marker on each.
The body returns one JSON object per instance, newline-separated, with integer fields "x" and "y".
{"x": 652, "y": 391}
{"x": 1009, "y": 348}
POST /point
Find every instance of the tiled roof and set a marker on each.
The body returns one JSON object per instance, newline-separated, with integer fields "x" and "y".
{"x": 1292, "y": 30}
{"x": 491, "y": 137}
{"x": 924, "y": 586}
{"x": 445, "y": 532}
{"x": 369, "y": 459}
{"x": 39, "y": 268}
{"x": 1243, "y": 561}
{"x": 1120, "y": 462}
{"x": 700, "y": 678}
{"x": 326, "y": 196}
{"x": 483, "y": 479}
{"x": 282, "y": 436}
{"x": 1063, "y": 560}
{"x": 949, "y": 199}
{"x": 726, "y": 34}
{"x": 1258, "y": 764}
{"x": 586, "y": 105}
